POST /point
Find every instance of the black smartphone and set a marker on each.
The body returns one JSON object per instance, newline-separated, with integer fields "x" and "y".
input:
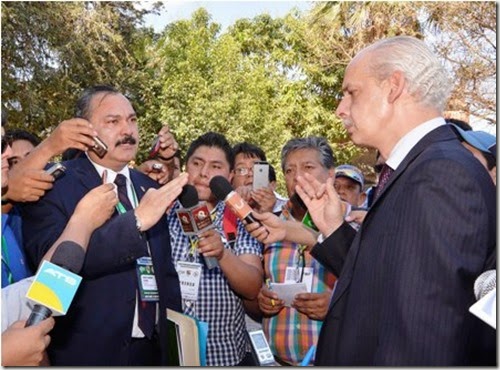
{"x": 100, "y": 148}
{"x": 56, "y": 170}
{"x": 296, "y": 199}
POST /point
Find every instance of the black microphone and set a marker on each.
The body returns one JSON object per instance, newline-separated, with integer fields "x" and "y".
{"x": 223, "y": 191}
{"x": 195, "y": 218}
{"x": 69, "y": 256}
{"x": 485, "y": 283}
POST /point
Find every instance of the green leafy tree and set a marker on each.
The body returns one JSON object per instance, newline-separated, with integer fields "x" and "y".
{"x": 53, "y": 50}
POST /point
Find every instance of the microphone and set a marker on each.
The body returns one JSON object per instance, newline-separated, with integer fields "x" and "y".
{"x": 485, "y": 290}
{"x": 56, "y": 282}
{"x": 485, "y": 283}
{"x": 195, "y": 218}
{"x": 223, "y": 191}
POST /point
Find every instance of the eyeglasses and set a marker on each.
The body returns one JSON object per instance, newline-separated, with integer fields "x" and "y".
{"x": 242, "y": 171}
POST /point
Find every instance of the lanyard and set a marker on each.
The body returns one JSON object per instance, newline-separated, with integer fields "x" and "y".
{"x": 5, "y": 260}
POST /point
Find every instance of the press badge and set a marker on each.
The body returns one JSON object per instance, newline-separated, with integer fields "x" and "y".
{"x": 189, "y": 278}
{"x": 294, "y": 274}
{"x": 147, "y": 280}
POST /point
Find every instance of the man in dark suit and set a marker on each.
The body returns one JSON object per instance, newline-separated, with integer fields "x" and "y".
{"x": 406, "y": 283}
{"x": 112, "y": 320}
{"x": 406, "y": 277}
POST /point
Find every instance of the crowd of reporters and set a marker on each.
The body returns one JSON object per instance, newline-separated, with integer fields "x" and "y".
{"x": 125, "y": 226}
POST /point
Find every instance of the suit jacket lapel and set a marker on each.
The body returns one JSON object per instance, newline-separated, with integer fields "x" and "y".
{"x": 139, "y": 186}
{"x": 441, "y": 133}
{"x": 86, "y": 173}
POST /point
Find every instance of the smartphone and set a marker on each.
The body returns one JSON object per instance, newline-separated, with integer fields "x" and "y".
{"x": 56, "y": 170}
{"x": 260, "y": 175}
{"x": 155, "y": 148}
{"x": 100, "y": 148}
{"x": 157, "y": 167}
{"x": 260, "y": 348}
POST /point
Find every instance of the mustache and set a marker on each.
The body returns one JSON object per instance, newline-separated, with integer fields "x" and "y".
{"x": 347, "y": 123}
{"x": 129, "y": 139}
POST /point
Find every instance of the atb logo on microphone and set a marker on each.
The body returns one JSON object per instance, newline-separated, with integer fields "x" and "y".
{"x": 54, "y": 287}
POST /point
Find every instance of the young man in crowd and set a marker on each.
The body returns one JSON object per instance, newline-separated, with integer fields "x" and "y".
{"x": 263, "y": 199}
{"x": 217, "y": 296}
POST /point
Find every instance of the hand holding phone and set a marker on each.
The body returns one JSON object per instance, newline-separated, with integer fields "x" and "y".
{"x": 56, "y": 170}
{"x": 100, "y": 148}
{"x": 260, "y": 175}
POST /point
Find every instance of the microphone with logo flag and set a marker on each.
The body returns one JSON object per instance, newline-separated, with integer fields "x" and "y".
{"x": 56, "y": 282}
{"x": 223, "y": 191}
{"x": 195, "y": 218}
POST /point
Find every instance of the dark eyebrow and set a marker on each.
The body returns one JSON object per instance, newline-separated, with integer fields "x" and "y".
{"x": 132, "y": 115}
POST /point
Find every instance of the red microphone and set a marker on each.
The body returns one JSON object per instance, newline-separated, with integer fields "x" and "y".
{"x": 223, "y": 191}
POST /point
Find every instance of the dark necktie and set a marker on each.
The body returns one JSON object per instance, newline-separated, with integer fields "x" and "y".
{"x": 384, "y": 177}
{"x": 147, "y": 310}
{"x": 121, "y": 185}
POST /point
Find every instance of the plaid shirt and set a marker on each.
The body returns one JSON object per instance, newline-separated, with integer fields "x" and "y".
{"x": 291, "y": 333}
{"x": 217, "y": 304}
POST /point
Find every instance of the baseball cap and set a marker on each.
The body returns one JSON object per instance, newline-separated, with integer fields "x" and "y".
{"x": 351, "y": 172}
{"x": 480, "y": 140}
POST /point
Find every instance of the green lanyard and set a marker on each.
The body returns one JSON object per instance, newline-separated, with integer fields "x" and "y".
{"x": 5, "y": 259}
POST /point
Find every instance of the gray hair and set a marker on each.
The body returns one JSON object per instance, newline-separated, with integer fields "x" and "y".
{"x": 318, "y": 143}
{"x": 427, "y": 79}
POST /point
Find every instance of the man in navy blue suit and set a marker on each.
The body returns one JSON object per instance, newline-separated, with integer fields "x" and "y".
{"x": 118, "y": 315}
{"x": 406, "y": 277}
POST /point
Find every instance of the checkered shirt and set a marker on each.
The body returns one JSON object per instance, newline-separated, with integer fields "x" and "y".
{"x": 217, "y": 304}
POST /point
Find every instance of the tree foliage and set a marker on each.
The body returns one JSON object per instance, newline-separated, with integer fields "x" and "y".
{"x": 264, "y": 80}
{"x": 53, "y": 50}
{"x": 465, "y": 37}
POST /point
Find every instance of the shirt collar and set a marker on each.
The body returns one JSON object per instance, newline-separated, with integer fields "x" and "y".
{"x": 125, "y": 171}
{"x": 408, "y": 141}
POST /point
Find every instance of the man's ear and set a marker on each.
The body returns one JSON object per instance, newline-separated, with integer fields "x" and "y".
{"x": 362, "y": 199}
{"x": 397, "y": 84}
